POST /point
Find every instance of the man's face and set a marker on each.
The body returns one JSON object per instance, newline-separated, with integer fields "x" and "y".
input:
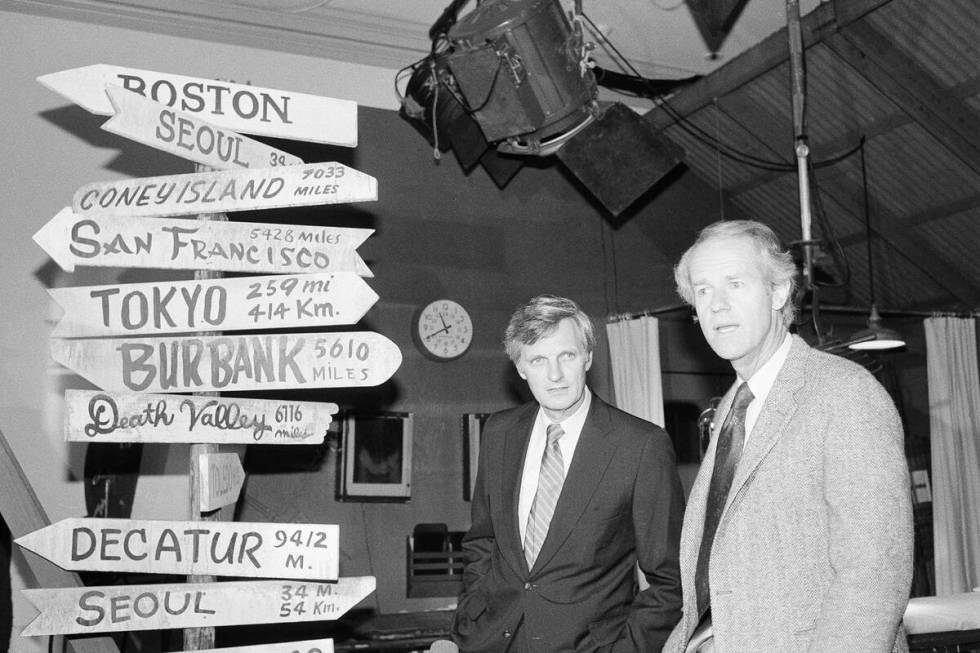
{"x": 554, "y": 368}
{"x": 737, "y": 307}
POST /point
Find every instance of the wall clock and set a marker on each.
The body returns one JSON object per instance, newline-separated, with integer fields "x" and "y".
{"x": 443, "y": 330}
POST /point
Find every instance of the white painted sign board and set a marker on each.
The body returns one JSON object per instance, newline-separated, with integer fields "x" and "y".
{"x": 210, "y": 548}
{"x": 220, "y": 477}
{"x": 226, "y": 304}
{"x": 185, "y": 244}
{"x": 153, "y": 607}
{"x": 95, "y": 416}
{"x": 226, "y": 191}
{"x": 157, "y": 125}
{"x": 241, "y": 107}
{"x": 304, "y": 646}
{"x": 253, "y": 362}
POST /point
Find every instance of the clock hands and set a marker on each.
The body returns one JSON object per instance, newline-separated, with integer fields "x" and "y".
{"x": 442, "y": 330}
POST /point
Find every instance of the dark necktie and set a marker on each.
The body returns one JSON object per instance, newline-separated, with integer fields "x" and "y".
{"x": 731, "y": 437}
{"x": 550, "y": 480}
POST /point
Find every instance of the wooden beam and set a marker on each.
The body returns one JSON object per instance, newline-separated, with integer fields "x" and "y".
{"x": 896, "y": 233}
{"x": 903, "y": 81}
{"x": 825, "y": 20}
{"x": 24, "y": 514}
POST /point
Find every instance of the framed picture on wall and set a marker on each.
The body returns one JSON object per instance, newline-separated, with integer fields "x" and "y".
{"x": 472, "y": 437}
{"x": 377, "y": 460}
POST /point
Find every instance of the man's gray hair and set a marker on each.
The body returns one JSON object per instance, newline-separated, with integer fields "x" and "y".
{"x": 777, "y": 263}
{"x": 540, "y": 317}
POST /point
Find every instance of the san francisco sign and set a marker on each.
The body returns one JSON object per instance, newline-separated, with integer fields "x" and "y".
{"x": 230, "y": 304}
{"x": 182, "y": 244}
{"x": 225, "y": 191}
{"x": 250, "y": 549}
{"x": 253, "y": 362}
{"x": 95, "y": 416}
{"x": 182, "y": 605}
{"x": 241, "y": 107}
{"x": 176, "y": 132}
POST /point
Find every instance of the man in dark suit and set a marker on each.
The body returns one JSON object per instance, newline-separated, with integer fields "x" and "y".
{"x": 571, "y": 495}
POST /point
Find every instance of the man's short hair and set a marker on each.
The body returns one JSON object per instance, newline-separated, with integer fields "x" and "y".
{"x": 540, "y": 317}
{"x": 777, "y": 263}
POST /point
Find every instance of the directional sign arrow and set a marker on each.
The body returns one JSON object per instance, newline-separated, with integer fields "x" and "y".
{"x": 244, "y": 108}
{"x": 305, "y": 646}
{"x": 221, "y": 477}
{"x": 228, "y": 304}
{"x": 252, "y": 549}
{"x": 224, "y": 191}
{"x": 180, "y": 244}
{"x": 254, "y": 362}
{"x": 176, "y": 132}
{"x": 94, "y": 416}
{"x": 156, "y": 607}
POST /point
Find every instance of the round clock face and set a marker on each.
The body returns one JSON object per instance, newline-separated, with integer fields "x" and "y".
{"x": 444, "y": 329}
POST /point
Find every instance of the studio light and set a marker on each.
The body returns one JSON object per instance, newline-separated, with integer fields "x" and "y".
{"x": 875, "y": 336}
{"x": 513, "y": 79}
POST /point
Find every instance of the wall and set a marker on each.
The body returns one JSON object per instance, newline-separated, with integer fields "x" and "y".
{"x": 440, "y": 233}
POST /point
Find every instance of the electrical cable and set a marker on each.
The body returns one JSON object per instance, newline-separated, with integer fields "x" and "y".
{"x": 700, "y": 134}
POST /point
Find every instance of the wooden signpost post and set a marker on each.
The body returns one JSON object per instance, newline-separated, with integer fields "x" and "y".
{"x": 249, "y": 549}
{"x": 188, "y": 605}
{"x": 224, "y": 191}
{"x": 255, "y": 362}
{"x": 179, "y": 244}
{"x": 220, "y": 477}
{"x": 241, "y": 303}
{"x": 241, "y": 107}
{"x": 176, "y": 132}
{"x": 94, "y": 416}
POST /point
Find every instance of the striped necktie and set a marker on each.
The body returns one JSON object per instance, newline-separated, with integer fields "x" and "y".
{"x": 731, "y": 437}
{"x": 550, "y": 480}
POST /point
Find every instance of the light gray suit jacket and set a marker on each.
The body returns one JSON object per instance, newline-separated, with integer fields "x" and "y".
{"x": 814, "y": 549}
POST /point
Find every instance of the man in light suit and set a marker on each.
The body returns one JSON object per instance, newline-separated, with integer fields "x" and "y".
{"x": 809, "y": 547}
{"x": 568, "y": 583}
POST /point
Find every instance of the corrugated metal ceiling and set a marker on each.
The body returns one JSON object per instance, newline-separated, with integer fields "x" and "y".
{"x": 901, "y": 74}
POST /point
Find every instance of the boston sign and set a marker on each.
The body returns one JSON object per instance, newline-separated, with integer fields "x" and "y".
{"x": 241, "y": 107}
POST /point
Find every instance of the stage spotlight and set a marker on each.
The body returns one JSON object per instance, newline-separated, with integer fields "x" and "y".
{"x": 520, "y": 74}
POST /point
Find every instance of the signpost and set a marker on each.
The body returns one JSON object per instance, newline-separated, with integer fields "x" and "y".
{"x": 221, "y": 477}
{"x": 178, "y": 605}
{"x": 241, "y": 303}
{"x": 224, "y": 191}
{"x": 254, "y": 362}
{"x": 250, "y": 549}
{"x": 176, "y": 132}
{"x": 179, "y": 244}
{"x": 94, "y": 416}
{"x": 241, "y": 107}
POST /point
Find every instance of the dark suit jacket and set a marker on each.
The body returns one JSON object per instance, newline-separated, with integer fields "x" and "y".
{"x": 621, "y": 503}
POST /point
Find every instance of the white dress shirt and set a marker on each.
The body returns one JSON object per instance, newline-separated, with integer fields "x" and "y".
{"x": 761, "y": 383}
{"x": 572, "y": 426}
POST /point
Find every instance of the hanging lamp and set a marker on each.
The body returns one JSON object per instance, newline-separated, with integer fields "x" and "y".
{"x": 876, "y": 336}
